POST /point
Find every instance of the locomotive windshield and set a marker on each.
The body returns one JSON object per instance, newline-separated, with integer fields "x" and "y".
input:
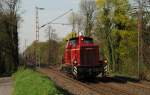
{"x": 88, "y": 40}
{"x": 73, "y": 42}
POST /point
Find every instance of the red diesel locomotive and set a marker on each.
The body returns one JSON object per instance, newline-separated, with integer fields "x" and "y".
{"x": 82, "y": 59}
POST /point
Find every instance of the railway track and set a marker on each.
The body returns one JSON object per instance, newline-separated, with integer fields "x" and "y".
{"x": 145, "y": 83}
{"x": 80, "y": 88}
{"x": 138, "y": 88}
{"x": 128, "y": 88}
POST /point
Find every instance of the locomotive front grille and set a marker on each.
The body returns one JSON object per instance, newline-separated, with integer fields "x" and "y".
{"x": 88, "y": 56}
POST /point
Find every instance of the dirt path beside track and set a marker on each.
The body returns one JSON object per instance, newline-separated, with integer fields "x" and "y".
{"x": 6, "y": 86}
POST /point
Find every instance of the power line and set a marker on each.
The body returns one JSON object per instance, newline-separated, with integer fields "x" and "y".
{"x": 62, "y": 23}
{"x": 56, "y": 18}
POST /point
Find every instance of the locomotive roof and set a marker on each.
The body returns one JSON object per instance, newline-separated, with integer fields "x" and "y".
{"x": 78, "y": 37}
{"x": 73, "y": 38}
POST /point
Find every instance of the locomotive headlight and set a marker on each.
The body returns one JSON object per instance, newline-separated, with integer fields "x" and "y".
{"x": 105, "y": 61}
{"x": 82, "y": 39}
{"x": 75, "y": 62}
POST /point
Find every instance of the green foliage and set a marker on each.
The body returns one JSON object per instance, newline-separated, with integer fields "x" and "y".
{"x": 117, "y": 32}
{"x": 28, "y": 82}
{"x": 100, "y": 3}
{"x": 126, "y": 51}
{"x": 128, "y": 39}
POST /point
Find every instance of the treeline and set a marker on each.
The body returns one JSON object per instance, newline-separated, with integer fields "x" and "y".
{"x": 9, "y": 19}
{"x": 50, "y": 52}
{"x": 47, "y": 51}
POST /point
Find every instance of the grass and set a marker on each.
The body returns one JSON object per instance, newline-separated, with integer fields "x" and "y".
{"x": 28, "y": 82}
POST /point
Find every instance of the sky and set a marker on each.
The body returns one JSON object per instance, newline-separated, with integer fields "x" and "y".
{"x": 52, "y": 9}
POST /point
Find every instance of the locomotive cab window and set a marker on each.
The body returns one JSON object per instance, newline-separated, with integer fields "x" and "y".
{"x": 73, "y": 42}
{"x": 88, "y": 40}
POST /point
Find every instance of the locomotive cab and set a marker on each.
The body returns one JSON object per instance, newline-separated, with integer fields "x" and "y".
{"x": 81, "y": 58}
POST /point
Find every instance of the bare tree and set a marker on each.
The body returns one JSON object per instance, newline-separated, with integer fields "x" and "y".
{"x": 76, "y": 19}
{"x": 79, "y": 23}
{"x": 88, "y": 8}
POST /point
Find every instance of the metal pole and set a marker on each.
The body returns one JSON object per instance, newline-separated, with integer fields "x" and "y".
{"x": 25, "y": 44}
{"x": 49, "y": 34}
{"x": 37, "y": 50}
{"x": 37, "y": 34}
{"x": 111, "y": 57}
{"x": 53, "y": 48}
{"x": 73, "y": 22}
{"x": 140, "y": 46}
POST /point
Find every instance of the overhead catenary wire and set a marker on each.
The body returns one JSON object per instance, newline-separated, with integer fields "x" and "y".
{"x": 56, "y": 18}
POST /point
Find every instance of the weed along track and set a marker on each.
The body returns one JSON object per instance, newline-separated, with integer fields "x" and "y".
{"x": 90, "y": 88}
